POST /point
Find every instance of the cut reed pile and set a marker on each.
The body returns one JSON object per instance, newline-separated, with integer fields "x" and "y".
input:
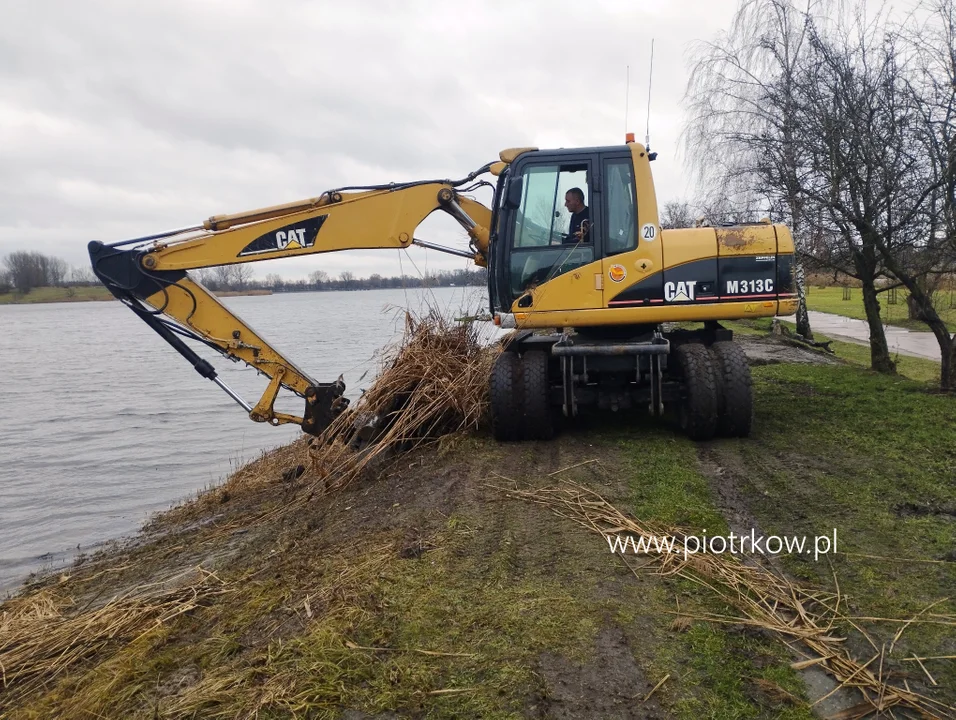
{"x": 43, "y": 635}
{"x": 434, "y": 383}
{"x": 804, "y": 619}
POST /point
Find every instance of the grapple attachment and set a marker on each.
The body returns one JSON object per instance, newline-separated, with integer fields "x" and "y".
{"x": 323, "y": 403}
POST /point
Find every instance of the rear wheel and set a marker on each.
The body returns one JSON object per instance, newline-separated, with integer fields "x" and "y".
{"x": 698, "y": 409}
{"x": 505, "y": 387}
{"x": 734, "y": 390}
{"x": 539, "y": 423}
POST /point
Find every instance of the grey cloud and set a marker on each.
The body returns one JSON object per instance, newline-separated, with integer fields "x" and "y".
{"x": 119, "y": 119}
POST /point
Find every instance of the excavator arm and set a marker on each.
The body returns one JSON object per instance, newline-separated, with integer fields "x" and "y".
{"x": 150, "y": 274}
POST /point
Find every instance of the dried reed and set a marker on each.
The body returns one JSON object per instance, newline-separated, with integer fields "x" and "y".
{"x": 434, "y": 383}
{"x": 762, "y": 597}
{"x": 42, "y": 635}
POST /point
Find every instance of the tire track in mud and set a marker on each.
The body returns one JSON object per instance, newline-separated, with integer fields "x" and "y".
{"x": 726, "y": 475}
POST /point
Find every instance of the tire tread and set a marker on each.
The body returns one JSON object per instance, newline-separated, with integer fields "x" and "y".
{"x": 699, "y": 411}
{"x": 539, "y": 422}
{"x": 735, "y": 390}
{"x": 504, "y": 393}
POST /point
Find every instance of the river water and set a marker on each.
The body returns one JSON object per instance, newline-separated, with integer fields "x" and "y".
{"x": 104, "y": 424}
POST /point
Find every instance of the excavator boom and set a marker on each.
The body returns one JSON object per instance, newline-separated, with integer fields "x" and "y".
{"x": 151, "y": 276}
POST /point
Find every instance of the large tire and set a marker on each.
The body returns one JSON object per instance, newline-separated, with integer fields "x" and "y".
{"x": 698, "y": 410}
{"x": 536, "y": 394}
{"x": 505, "y": 391}
{"x": 735, "y": 402}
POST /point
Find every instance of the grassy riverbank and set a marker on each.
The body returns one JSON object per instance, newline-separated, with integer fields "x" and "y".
{"x": 431, "y": 590}
{"x": 87, "y": 294}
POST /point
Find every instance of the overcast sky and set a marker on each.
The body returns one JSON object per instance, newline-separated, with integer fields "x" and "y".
{"x": 119, "y": 119}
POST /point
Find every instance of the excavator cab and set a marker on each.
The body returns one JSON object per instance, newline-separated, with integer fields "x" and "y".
{"x": 535, "y": 264}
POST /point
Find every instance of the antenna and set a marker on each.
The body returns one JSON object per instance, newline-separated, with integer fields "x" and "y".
{"x": 627, "y": 91}
{"x": 650, "y": 80}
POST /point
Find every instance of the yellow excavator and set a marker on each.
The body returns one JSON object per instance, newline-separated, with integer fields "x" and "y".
{"x": 577, "y": 264}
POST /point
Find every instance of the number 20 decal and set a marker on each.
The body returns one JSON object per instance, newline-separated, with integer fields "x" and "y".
{"x": 649, "y": 232}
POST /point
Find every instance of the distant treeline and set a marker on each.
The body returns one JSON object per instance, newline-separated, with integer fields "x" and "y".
{"x": 231, "y": 278}
{"x": 23, "y": 271}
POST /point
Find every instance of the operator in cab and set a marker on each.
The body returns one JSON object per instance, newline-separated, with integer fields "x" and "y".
{"x": 580, "y": 216}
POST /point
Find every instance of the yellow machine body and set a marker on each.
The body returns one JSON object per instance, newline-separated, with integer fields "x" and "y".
{"x": 620, "y": 269}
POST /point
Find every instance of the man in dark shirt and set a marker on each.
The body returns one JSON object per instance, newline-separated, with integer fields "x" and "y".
{"x": 580, "y": 216}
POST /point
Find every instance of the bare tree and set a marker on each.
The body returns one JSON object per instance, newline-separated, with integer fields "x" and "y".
{"x": 874, "y": 174}
{"x": 926, "y": 260}
{"x": 82, "y": 276}
{"x": 223, "y": 275}
{"x": 741, "y": 133}
{"x": 318, "y": 278}
{"x": 205, "y": 277}
{"x": 58, "y": 270}
{"x": 677, "y": 214}
{"x": 27, "y": 270}
{"x": 242, "y": 274}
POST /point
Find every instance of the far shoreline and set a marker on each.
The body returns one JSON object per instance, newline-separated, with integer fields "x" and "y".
{"x": 46, "y": 295}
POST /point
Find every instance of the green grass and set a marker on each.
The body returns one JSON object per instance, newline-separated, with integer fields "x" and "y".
{"x": 919, "y": 369}
{"x": 830, "y": 300}
{"x": 855, "y": 451}
{"x": 56, "y": 294}
{"x": 722, "y": 663}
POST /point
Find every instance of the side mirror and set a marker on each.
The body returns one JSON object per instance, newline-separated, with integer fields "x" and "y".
{"x": 513, "y": 193}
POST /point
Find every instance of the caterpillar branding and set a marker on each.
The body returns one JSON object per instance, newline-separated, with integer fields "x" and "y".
{"x": 679, "y": 291}
{"x": 296, "y": 236}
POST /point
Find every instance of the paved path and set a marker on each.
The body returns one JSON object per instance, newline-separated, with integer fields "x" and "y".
{"x": 900, "y": 340}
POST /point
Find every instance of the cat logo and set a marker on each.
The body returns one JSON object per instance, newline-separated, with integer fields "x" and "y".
{"x": 297, "y": 236}
{"x": 617, "y": 273}
{"x": 292, "y": 240}
{"x": 750, "y": 307}
{"x": 679, "y": 292}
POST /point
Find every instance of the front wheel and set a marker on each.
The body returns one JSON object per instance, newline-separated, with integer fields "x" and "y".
{"x": 539, "y": 422}
{"x": 505, "y": 396}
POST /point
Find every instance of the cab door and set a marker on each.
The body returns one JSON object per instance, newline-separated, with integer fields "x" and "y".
{"x": 633, "y": 260}
{"x": 541, "y": 266}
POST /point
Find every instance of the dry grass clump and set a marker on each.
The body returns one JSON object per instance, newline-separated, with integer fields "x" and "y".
{"x": 434, "y": 383}
{"x": 803, "y": 619}
{"x": 43, "y": 635}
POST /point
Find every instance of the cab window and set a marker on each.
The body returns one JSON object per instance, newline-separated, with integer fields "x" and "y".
{"x": 543, "y": 244}
{"x": 621, "y": 233}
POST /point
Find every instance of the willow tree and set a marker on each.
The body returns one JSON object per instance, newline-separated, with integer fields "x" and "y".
{"x": 740, "y": 132}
